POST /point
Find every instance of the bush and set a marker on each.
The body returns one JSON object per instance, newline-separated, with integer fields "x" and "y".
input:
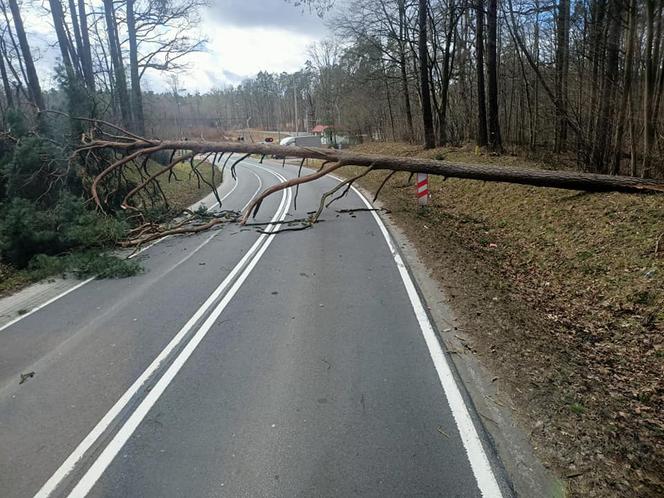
{"x": 36, "y": 170}
{"x": 26, "y": 230}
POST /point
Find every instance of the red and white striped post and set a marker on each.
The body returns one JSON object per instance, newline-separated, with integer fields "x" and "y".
{"x": 422, "y": 189}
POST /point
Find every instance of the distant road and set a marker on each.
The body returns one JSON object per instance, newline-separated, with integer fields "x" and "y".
{"x": 243, "y": 364}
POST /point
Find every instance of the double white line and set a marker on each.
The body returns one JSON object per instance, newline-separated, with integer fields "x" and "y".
{"x": 235, "y": 279}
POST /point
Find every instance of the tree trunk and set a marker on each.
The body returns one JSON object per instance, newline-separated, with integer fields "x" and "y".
{"x": 136, "y": 96}
{"x": 562, "y": 67}
{"x": 627, "y": 88}
{"x": 117, "y": 62}
{"x": 31, "y": 73}
{"x": 603, "y": 130}
{"x": 482, "y": 134}
{"x": 78, "y": 53}
{"x": 427, "y": 116}
{"x": 404, "y": 74}
{"x": 598, "y": 14}
{"x": 58, "y": 23}
{"x": 133, "y": 149}
{"x": 495, "y": 142}
{"x": 85, "y": 52}
{"x": 9, "y": 97}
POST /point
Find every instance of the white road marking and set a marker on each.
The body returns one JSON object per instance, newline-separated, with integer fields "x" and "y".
{"x": 93, "y": 474}
{"x": 70, "y": 463}
{"x": 479, "y": 461}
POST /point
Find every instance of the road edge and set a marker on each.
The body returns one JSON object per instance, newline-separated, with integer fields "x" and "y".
{"x": 527, "y": 476}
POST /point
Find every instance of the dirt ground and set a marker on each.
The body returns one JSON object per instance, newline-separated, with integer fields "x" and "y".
{"x": 562, "y": 293}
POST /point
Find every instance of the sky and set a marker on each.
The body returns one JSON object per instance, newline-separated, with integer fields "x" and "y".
{"x": 244, "y": 37}
{"x": 248, "y": 36}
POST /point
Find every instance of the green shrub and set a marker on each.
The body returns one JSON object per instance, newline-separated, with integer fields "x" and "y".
{"x": 37, "y": 171}
{"x": 102, "y": 265}
{"x": 26, "y": 230}
{"x": 42, "y": 266}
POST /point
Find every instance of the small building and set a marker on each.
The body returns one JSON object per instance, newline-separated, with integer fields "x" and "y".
{"x": 321, "y": 129}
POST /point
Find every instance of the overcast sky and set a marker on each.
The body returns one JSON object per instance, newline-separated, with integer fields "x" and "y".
{"x": 244, "y": 37}
{"x": 248, "y": 36}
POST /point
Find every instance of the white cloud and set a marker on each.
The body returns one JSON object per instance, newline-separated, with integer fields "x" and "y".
{"x": 234, "y": 53}
{"x": 244, "y": 37}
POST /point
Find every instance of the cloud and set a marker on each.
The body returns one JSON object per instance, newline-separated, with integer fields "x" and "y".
{"x": 245, "y": 37}
{"x": 275, "y": 14}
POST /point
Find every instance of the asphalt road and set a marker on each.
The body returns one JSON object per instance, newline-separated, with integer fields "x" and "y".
{"x": 243, "y": 364}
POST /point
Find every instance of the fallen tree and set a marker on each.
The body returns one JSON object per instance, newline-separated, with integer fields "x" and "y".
{"x": 132, "y": 151}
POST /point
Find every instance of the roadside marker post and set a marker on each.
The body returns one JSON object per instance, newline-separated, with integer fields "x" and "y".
{"x": 422, "y": 189}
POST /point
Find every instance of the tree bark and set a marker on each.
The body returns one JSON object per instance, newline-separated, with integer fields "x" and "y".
{"x": 404, "y": 74}
{"x": 540, "y": 178}
{"x": 9, "y": 97}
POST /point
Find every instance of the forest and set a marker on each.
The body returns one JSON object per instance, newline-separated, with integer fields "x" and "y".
{"x": 576, "y": 84}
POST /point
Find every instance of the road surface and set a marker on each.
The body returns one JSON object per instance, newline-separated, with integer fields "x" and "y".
{"x": 243, "y": 364}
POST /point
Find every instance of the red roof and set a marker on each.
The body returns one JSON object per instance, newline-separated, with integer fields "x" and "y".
{"x": 320, "y": 128}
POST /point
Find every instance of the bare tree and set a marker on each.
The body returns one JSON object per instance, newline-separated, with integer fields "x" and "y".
{"x": 31, "y": 73}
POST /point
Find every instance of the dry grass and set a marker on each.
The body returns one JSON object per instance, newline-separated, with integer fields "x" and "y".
{"x": 186, "y": 190}
{"x": 564, "y": 296}
{"x": 11, "y": 280}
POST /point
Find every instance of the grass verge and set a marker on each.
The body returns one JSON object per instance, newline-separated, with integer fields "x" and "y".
{"x": 563, "y": 294}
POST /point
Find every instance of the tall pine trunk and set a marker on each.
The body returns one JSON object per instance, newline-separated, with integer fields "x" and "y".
{"x": 603, "y": 130}
{"x": 427, "y": 116}
{"x": 85, "y": 52}
{"x": 31, "y": 73}
{"x": 136, "y": 95}
{"x": 117, "y": 63}
{"x": 627, "y": 88}
{"x": 562, "y": 69}
{"x": 482, "y": 135}
{"x": 495, "y": 142}
{"x": 404, "y": 74}
{"x": 58, "y": 23}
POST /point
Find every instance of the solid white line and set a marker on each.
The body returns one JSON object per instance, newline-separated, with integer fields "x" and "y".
{"x": 479, "y": 461}
{"x": 69, "y": 464}
{"x": 122, "y": 436}
{"x": 43, "y": 305}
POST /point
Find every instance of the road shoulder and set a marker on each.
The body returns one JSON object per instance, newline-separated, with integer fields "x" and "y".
{"x": 528, "y": 475}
